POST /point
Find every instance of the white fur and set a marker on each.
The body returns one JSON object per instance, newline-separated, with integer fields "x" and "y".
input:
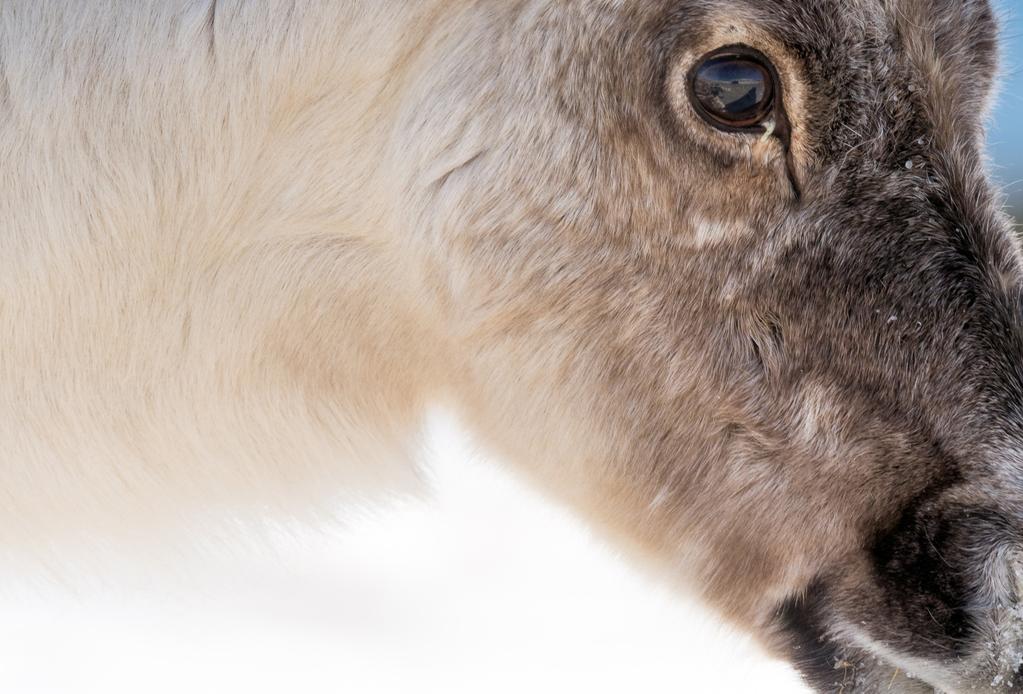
{"x": 204, "y": 300}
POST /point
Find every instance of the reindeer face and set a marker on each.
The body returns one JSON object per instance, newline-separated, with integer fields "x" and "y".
{"x": 725, "y": 275}
{"x": 735, "y": 283}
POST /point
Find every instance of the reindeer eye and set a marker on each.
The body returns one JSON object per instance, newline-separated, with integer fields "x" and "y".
{"x": 733, "y": 89}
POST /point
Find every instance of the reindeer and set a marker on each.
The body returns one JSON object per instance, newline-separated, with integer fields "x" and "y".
{"x": 725, "y": 276}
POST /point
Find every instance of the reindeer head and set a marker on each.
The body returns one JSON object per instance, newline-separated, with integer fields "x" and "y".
{"x": 725, "y": 275}
{"x": 729, "y": 276}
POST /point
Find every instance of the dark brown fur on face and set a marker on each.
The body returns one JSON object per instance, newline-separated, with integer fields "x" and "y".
{"x": 802, "y": 350}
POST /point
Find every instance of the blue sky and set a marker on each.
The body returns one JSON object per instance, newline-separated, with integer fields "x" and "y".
{"x": 1006, "y": 135}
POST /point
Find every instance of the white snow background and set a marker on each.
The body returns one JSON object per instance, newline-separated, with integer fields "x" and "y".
{"x": 485, "y": 588}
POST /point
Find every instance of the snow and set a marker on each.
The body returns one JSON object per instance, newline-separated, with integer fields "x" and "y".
{"x": 485, "y": 588}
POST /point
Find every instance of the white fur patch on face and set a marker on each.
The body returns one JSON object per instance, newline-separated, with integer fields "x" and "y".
{"x": 709, "y": 232}
{"x": 813, "y": 412}
{"x": 815, "y": 420}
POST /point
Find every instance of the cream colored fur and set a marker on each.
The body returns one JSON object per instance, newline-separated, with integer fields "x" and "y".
{"x": 227, "y": 252}
{"x": 207, "y": 294}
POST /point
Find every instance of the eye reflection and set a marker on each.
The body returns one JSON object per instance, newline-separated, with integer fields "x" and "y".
{"x": 733, "y": 90}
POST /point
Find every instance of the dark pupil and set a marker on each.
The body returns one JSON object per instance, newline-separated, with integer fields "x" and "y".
{"x": 734, "y": 90}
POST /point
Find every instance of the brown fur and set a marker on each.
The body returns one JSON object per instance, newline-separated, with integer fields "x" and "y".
{"x": 783, "y": 369}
